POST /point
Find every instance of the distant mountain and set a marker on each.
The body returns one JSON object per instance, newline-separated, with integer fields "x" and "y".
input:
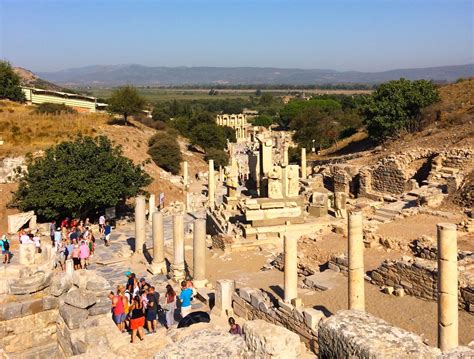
{"x": 113, "y": 75}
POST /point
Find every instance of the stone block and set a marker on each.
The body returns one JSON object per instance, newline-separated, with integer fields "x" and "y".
{"x": 32, "y": 284}
{"x": 255, "y": 299}
{"x": 245, "y": 292}
{"x": 356, "y": 334}
{"x": 10, "y": 310}
{"x": 102, "y": 306}
{"x": 399, "y": 292}
{"x": 27, "y": 254}
{"x": 98, "y": 284}
{"x": 80, "y": 298}
{"x": 72, "y": 316}
{"x": 223, "y": 298}
{"x": 285, "y": 307}
{"x": 60, "y": 284}
{"x": 50, "y": 302}
{"x": 312, "y": 317}
{"x": 267, "y": 340}
{"x": 32, "y": 307}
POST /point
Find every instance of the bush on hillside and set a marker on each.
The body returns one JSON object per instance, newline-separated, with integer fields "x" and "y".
{"x": 165, "y": 152}
{"x": 79, "y": 177}
{"x": 10, "y": 84}
{"x": 262, "y": 120}
{"x": 395, "y": 107}
{"x": 54, "y": 108}
{"x": 208, "y": 135}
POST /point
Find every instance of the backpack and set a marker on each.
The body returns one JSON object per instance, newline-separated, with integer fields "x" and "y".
{"x": 6, "y": 245}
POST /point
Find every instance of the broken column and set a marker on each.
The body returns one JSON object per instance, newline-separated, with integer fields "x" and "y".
{"x": 447, "y": 287}
{"x": 211, "y": 184}
{"x": 178, "y": 247}
{"x": 356, "y": 262}
{"x": 151, "y": 207}
{"x": 158, "y": 265}
{"x": 199, "y": 253}
{"x": 185, "y": 173}
{"x": 291, "y": 269}
{"x": 27, "y": 254}
{"x": 221, "y": 174}
{"x": 285, "y": 160}
{"x": 140, "y": 223}
{"x": 223, "y": 301}
{"x": 303, "y": 163}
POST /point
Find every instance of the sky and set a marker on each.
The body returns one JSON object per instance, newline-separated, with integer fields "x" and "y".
{"x": 376, "y": 35}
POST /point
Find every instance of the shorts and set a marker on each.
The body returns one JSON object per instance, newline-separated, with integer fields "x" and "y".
{"x": 5, "y": 252}
{"x": 107, "y": 237}
{"x": 119, "y": 318}
{"x": 83, "y": 261}
{"x": 150, "y": 315}
{"x": 137, "y": 323}
{"x": 76, "y": 261}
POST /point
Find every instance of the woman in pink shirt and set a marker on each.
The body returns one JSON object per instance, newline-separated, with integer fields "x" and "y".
{"x": 84, "y": 254}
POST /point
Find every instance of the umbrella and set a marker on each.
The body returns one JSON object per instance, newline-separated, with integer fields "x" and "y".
{"x": 193, "y": 318}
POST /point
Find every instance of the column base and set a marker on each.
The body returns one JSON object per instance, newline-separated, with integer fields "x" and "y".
{"x": 177, "y": 273}
{"x": 157, "y": 268}
{"x": 200, "y": 283}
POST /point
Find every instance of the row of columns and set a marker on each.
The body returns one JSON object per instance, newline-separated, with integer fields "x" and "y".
{"x": 447, "y": 276}
{"x": 158, "y": 264}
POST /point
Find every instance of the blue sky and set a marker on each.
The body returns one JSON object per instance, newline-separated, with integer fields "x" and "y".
{"x": 48, "y": 35}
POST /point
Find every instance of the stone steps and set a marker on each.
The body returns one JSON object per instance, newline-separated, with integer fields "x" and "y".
{"x": 380, "y": 219}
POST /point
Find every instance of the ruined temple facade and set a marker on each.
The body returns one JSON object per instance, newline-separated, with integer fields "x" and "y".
{"x": 236, "y": 121}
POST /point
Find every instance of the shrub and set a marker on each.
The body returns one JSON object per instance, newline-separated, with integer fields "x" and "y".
{"x": 165, "y": 152}
{"x": 10, "y": 83}
{"x": 54, "y": 108}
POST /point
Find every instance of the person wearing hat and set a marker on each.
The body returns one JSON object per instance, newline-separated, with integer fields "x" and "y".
{"x": 132, "y": 284}
{"x": 143, "y": 284}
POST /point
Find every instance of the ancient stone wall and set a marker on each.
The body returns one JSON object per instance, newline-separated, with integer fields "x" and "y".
{"x": 28, "y": 328}
{"x": 355, "y": 334}
{"x": 419, "y": 277}
{"x": 251, "y": 304}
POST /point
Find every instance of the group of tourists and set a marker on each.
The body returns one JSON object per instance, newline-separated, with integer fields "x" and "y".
{"x": 137, "y": 305}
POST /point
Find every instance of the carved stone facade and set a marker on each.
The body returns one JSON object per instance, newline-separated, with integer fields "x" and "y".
{"x": 236, "y": 121}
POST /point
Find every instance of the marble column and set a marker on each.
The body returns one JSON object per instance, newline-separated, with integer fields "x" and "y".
{"x": 178, "y": 247}
{"x": 303, "y": 163}
{"x": 291, "y": 269}
{"x": 140, "y": 223}
{"x": 447, "y": 287}
{"x": 185, "y": 173}
{"x": 151, "y": 207}
{"x": 211, "y": 184}
{"x": 199, "y": 253}
{"x": 356, "y": 262}
{"x": 221, "y": 174}
{"x": 158, "y": 265}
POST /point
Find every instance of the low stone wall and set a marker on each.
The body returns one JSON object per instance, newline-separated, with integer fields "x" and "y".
{"x": 251, "y": 304}
{"x": 354, "y": 334}
{"x": 28, "y": 328}
{"x": 426, "y": 247}
{"x": 418, "y": 278}
{"x": 339, "y": 263}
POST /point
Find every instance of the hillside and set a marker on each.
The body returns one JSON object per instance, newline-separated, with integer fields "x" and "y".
{"x": 112, "y": 75}
{"x": 29, "y": 79}
{"x": 25, "y": 132}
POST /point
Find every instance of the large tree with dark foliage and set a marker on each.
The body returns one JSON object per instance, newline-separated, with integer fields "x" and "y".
{"x": 10, "y": 83}
{"x": 79, "y": 177}
{"x": 396, "y": 107}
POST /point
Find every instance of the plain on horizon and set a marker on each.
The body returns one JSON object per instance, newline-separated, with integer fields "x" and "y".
{"x": 51, "y": 35}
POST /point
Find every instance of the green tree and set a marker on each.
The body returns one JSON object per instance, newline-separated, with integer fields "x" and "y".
{"x": 396, "y": 107}
{"x": 165, "y": 152}
{"x": 10, "y": 87}
{"x": 296, "y": 107}
{"x": 79, "y": 177}
{"x": 125, "y": 101}
{"x": 209, "y": 135}
{"x": 262, "y": 120}
{"x": 220, "y": 157}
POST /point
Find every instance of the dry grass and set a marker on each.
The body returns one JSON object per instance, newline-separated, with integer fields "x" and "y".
{"x": 24, "y": 131}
